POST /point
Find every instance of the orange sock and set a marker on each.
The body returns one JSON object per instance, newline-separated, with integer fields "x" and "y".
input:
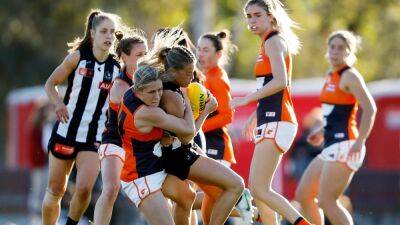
{"x": 301, "y": 221}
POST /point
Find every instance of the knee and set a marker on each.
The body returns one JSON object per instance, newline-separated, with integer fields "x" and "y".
{"x": 110, "y": 191}
{"x": 187, "y": 198}
{"x": 237, "y": 185}
{"x": 83, "y": 191}
{"x": 241, "y": 186}
{"x": 233, "y": 185}
{"x": 55, "y": 191}
{"x": 191, "y": 195}
{"x": 325, "y": 202}
{"x": 257, "y": 191}
{"x": 52, "y": 196}
{"x": 300, "y": 196}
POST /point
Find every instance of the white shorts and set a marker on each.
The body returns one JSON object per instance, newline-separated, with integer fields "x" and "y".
{"x": 338, "y": 153}
{"x": 138, "y": 189}
{"x": 106, "y": 150}
{"x": 281, "y": 131}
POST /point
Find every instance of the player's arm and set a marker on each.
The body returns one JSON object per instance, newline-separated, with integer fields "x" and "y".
{"x": 59, "y": 75}
{"x": 354, "y": 83}
{"x": 276, "y": 50}
{"x": 210, "y": 107}
{"x": 157, "y": 117}
{"x": 118, "y": 90}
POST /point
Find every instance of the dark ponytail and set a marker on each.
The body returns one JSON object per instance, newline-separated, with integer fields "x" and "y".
{"x": 222, "y": 34}
{"x": 162, "y": 55}
{"x": 127, "y": 39}
{"x": 221, "y": 42}
{"x": 94, "y": 18}
{"x": 119, "y": 35}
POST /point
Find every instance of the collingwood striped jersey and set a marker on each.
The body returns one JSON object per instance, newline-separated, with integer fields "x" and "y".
{"x": 86, "y": 98}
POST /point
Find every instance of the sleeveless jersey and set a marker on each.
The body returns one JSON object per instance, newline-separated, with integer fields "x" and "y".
{"x": 279, "y": 106}
{"x": 340, "y": 110}
{"x": 86, "y": 98}
{"x": 139, "y": 158}
{"x": 110, "y": 134}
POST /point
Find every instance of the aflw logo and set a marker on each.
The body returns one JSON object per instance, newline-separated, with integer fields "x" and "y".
{"x": 202, "y": 102}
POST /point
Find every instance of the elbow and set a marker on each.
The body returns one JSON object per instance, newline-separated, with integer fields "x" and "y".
{"x": 184, "y": 129}
{"x": 282, "y": 84}
{"x": 374, "y": 109}
{"x": 186, "y": 139}
{"x": 373, "y": 113}
{"x": 187, "y": 136}
{"x": 285, "y": 84}
{"x": 188, "y": 132}
{"x": 50, "y": 83}
{"x": 47, "y": 84}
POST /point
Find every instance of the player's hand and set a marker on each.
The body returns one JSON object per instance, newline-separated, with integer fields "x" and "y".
{"x": 61, "y": 112}
{"x": 355, "y": 151}
{"x": 249, "y": 127}
{"x": 238, "y": 101}
{"x": 211, "y": 105}
{"x": 316, "y": 137}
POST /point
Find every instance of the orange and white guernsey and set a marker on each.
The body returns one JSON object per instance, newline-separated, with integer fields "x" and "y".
{"x": 279, "y": 106}
{"x": 340, "y": 110}
{"x": 110, "y": 134}
{"x": 139, "y": 158}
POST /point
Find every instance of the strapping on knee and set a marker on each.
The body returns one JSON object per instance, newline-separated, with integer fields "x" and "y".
{"x": 53, "y": 194}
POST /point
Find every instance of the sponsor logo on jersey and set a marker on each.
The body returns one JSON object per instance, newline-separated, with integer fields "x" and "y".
{"x": 339, "y": 135}
{"x": 270, "y": 114}
{"x": 108, "y": 76}
{"x": 105, "y": 85}
{"x": 330, "y": 87}
{"x": 86, "y": 72}
{"x": 212, "y": 151}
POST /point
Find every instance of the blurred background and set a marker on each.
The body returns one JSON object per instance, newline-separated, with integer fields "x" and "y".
{"x": 33, "y": 37}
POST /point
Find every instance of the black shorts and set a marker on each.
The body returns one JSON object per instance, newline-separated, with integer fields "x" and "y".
{"x": 178, "y": 161}
{"x": 62, "y": 148}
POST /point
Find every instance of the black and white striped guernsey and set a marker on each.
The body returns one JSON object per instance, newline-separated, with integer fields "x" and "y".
{"x": 86, "y": 99}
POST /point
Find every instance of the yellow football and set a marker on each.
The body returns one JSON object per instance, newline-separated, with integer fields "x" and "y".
{"x": 198, "y": 97}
